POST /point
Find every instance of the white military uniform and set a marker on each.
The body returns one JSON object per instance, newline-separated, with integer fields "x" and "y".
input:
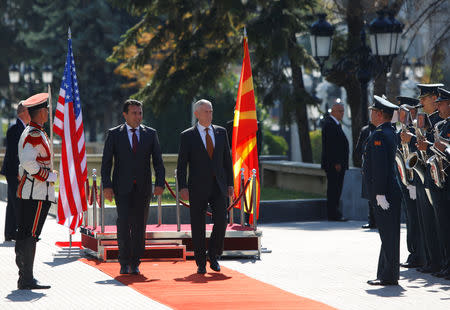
{"x": 36, "y": 177}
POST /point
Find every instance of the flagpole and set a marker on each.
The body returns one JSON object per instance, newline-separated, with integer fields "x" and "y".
{"x": 50, "y": 110}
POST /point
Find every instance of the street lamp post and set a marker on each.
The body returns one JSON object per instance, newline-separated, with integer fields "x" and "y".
{"x": 367, "y": 62}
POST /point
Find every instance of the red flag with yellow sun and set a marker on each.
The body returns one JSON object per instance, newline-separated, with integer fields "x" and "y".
{"x": 244, "y": 148}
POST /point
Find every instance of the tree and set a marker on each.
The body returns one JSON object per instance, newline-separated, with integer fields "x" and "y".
{"x": 181, "y": 47}
{"x": 95, "y": 28}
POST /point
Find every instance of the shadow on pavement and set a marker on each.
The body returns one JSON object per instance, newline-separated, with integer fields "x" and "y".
{"x": 388, "y": 291}
{"x": 424, "y": 280}
{"x": 24, "y": 296}
{"x": 58, "y": 261}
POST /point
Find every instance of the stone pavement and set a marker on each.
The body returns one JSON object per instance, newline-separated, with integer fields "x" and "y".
{"x": 325, "y": 261}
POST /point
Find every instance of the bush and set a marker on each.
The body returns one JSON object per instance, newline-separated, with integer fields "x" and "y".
{"x": 316, "y": 145}
{"x": 273, "y": 144}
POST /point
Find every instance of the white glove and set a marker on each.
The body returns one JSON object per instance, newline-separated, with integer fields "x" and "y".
{"x": 52, "y": 177}
{"x": 412, "y": 191}
{"x": 382, "y": 202}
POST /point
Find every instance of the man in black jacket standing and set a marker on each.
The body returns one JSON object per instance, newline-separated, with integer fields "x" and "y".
{"x": 206, "y": 150}
{"x": 366, "y": 131}
{"x": 131, "y": 146}
{"x": 334, "y": 159}
{"x": 10, "y": 169}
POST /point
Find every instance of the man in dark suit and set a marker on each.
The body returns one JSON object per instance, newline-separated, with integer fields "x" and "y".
{"x": 366, "y": 131}
{"x": 10, "y": 169}
{"x": 205, "y": 149}
{"x": 334, "y": 159}
{"x": 382, "y": 188}
{"x": 131, "y": 146}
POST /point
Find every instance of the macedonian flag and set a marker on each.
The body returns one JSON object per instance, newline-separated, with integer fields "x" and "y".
{"x": 245, "y": 153}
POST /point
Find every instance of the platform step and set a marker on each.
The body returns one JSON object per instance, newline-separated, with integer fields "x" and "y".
{"x": 172, "y": 251}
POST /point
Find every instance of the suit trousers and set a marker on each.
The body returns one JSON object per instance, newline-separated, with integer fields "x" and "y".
{"x": 11, "y": 208}
{"x": 388, "y": 223}
{"x": 132, "y": 214}
{"x": 31, "y": 215}
{"x": 414, "y": 240}
{"x": 427, "y": 220}
{"x": 334, "y": 189}
{"x": 218, "y": 203}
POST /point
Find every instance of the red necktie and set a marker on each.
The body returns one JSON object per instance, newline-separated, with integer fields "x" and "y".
{"x": 209, "y": 144}
{"x": 134, "y": 140}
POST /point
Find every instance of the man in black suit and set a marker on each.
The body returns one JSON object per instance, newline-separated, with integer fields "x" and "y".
{"x": 334, "y": 159}
{"x": 382, "y": 188}
{"x": 365, "y": 132}
{"x": 131, "y": 146}
{"x": 10, "y": 169}
{"x": 205, "y": 149}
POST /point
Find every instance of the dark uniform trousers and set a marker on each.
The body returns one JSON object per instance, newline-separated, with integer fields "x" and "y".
{"x": 388, "y": 224}
{"x": 31, "y": 215}
{"x": 442, "y": 208}
{"x": 218, "y": 203}
{"x": 132, "y": 215}
{"x": 414, "y": 240}
{"x": 11, "y": 208}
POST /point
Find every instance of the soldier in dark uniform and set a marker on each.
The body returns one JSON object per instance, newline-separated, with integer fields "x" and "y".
{"x": 365, "y": 132}
{"x": 439, "y": 194}
{"x": 35, "y": 192}
{"x": 427, "y": 214}
{"x": 414, "y": 241}
{"x": 10, "y": 169}
{"x": 382, "y": 188}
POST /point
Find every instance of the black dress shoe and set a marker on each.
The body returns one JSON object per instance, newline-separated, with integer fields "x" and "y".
{"x": 124, "y": 269}
{"x": 214, "y": 265}
{"x": 428, "y": 269}
{"x": 382, "y": 282}
{"x": 411, "y": 265}
{"x": 201, "y": 270}
{"x": 32, "y": 286}
{"x": 134, "y": 270}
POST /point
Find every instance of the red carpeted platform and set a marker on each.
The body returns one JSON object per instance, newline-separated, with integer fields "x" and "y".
{"x": 165, "y": 242}
{"x": 177, "y": 285}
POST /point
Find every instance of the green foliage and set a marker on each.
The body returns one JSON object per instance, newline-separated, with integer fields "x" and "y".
{"x": 273, "y": 144}
{"x": 316, "y": 143}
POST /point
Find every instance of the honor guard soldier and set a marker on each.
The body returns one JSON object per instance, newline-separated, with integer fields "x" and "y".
{"x": 439, "y": 163}
{"x": 35, "y": 192}
{"x": 409, "y": 178}
{"x": 427, "y": 214}
{"x": 382, "y": 188}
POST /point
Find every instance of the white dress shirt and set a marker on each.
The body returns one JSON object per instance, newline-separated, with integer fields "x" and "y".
{"x": 130, "y": 134}
{"x": 201, "y": 130}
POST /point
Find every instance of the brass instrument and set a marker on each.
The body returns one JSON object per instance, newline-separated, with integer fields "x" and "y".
{"x": 401, "y": 156}
{"x": 417, "y": 160}
{"x": 438, "y": 162}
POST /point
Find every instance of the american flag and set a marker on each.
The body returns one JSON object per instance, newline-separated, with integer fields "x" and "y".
{"x": 68, "y": 124}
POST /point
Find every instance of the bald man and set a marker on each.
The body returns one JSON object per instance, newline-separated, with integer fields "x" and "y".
{"x": 334, "y": 159}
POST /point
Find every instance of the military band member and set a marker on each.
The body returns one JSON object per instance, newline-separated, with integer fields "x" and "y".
{"x": 382, "y": 188}
{"x": 427, "y": 214}
{"x": 35, "y": 192}
{"x": 409, "y": 197}
{"x": 441, "y": 201}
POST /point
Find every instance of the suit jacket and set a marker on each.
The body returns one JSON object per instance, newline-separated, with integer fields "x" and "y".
{"x": 379, "y": 166}
{"x": 132, "y": 167}
{"x": 363, "y": 135}
{"x": 334, "y": 145}
{"x": 10, "y": 166}
{"x": 202, "y": 169}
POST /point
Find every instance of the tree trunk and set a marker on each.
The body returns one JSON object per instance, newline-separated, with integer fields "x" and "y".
{"x": 301, "y": 100}
{"x": 379, "y": 85}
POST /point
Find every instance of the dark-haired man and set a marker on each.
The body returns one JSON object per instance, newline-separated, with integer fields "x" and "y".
{"x": 131, "y": 146}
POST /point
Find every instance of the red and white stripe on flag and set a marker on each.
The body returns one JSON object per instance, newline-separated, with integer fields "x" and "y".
{"x": 68, "y": 124}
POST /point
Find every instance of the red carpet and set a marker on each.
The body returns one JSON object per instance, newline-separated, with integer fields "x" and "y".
{"x": 176, "y": 285}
